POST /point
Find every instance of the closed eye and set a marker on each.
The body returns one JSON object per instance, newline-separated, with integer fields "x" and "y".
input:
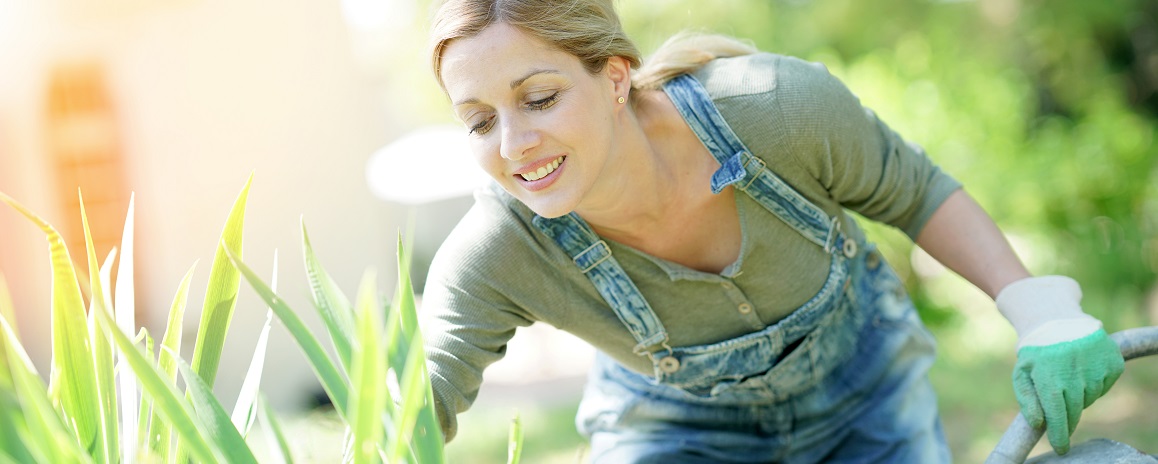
{"x": 482, "y": 127}
{"x": 544, "y": 103}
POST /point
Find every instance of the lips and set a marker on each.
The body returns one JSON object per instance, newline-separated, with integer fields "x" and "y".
{"x": 542, "y": 171}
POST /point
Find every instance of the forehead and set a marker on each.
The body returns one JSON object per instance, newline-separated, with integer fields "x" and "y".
{"x": 496, "y": 56}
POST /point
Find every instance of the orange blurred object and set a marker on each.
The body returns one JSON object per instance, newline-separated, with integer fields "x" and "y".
{"x": 84, "y": 149}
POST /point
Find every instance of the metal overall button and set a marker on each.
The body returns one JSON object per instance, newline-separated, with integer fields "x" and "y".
{"x": 849, "y": 248}
{"x": 669, "y": 364}
{"x": 872, "y": 261}
{"x": 745, "y": 308}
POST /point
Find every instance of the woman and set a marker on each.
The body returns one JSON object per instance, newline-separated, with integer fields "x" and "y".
{"x": 687, "y": 219}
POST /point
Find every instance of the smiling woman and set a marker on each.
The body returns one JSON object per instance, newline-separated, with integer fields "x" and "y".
{"x": 536, "y": 116}
{"x": 688, "y": 219}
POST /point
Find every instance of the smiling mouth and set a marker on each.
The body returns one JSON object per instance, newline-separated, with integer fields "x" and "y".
{"x": 543, "y": 171}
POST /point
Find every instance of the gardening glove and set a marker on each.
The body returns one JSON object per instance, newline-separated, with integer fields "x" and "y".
{"x": 1065, "y": 360}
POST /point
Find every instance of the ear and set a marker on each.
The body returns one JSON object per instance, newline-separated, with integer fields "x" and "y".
{"x": 618, "y": 69}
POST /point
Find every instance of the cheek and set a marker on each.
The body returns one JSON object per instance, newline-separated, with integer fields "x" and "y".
{"x": 486, "y": 156}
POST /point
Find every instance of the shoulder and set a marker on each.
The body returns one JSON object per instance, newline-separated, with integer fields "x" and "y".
{"x": 491, "y": 245}
{"x": 763, "y": 73}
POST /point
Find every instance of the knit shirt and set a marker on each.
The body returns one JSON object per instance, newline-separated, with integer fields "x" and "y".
{"x": 497, "y": 272}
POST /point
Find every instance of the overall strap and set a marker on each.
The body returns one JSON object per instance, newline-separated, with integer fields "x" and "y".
{"x": 747, "y": 172}
{"x": 593, "y": 257}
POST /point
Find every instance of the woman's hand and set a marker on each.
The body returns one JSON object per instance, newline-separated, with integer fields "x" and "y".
{"x": 1065, "y": 360}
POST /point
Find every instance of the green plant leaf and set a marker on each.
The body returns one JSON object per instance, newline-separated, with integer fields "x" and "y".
{"x": 331, "y": 380}
{"x": 221, "y": 295}
{"x": 14, "y": 429}
{"x": 145, "y": 410}
{"x": 410, "y": 387}
{"x": 7, "y": 308}
{"x": 102, "y": 354}
{"x": 166, "y": 398}
{"x": 428, "y": 442}
{"x": 213, "y": 415}
{"x": 48, "y": 439}
{"x": 7, "y": 311}
{"x": 276, "y": 438}
{"x": 11, "y": 414}
{"x": 124, "y": 308}
{"x": 73, "y": 380}
{"x": 330, "y": 302}
{"x": 161, "y": 436}
{"x": 368, "y": 376}
{"x": 245, "y": 410}
{"x": 515, "y": 442}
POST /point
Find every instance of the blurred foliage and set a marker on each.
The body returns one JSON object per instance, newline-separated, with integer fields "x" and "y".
{"x": 1046, "y": 111}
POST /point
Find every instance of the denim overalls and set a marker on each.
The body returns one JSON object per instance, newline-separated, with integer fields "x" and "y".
{"x": 840, "y": 379}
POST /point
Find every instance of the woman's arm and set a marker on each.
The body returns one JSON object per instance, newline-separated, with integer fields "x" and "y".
{"x": 1065, "y": 361}
{"x": 961, "y": 236}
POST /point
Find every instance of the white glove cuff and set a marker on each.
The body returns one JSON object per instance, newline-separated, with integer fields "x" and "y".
{"x": 1045, "y": 310}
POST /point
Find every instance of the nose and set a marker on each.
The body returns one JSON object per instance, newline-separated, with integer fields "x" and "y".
{"x": 518, "y": 138}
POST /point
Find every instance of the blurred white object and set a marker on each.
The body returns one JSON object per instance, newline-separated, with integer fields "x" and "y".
{"x": 427, "y": 165}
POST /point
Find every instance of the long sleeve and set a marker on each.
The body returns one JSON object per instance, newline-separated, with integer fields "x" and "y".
{"x": 864, "y": 165}
{"x": 466, "y": 322}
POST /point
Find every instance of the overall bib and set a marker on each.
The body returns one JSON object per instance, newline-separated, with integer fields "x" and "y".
{"x": 840, "y": 379}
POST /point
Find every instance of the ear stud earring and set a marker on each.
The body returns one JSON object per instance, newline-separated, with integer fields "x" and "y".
{"x": 621, "y": 100}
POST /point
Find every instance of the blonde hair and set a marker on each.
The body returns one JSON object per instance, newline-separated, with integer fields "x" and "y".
{"x": 587, "y": 29}
{"x": 684, "y": 53}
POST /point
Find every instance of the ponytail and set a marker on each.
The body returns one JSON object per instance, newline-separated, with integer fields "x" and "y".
{"x": 685, "y": 53}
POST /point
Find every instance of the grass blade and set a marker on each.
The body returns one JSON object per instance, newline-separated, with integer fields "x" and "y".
{"x": 221, "y": 295}
{"x": 48, "y": 439}
{"x": 410, "y": 386}
{"x": 102, "y": 354}
{"x": 279, "y": 445}
{"x": 166, "y": 398}
{"x": 428, "y": 443}
{"x": 73, "y": 383}
{"x": 330, "y": 302}
{"x": 331, "y": 380}
{"x": 125, "y": 314}
{"x": 515, "y": 442}
{"x": 161, "y": 436}
{"x": 245, "y": 411}
{"x": 212, "y": 414}
{"x": 368, "y": 376}
{"x": 7, "y": 309}
{"x": 145, "y": 410}
{"x": 14, "y": 429}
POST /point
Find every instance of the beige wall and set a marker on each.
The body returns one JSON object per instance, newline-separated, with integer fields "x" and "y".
{"x": 208, "y": 91}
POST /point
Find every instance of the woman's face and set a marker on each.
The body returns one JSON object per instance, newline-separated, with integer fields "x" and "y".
{"x": 539, "y": 123}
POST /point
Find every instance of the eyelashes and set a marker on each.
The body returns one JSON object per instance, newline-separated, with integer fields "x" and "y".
{"x": 484, "y": 126}
{"x": 481, "y": 128}
{"x": 544, "y": 103}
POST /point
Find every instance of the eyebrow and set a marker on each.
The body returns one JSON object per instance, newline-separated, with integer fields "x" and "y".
{"x": 515, "y": 83}
{"x": 519, "y": 81}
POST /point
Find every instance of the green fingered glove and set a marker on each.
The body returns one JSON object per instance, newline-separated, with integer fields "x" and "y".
{"x": 1054, "y": 383}
{"x": 1065, "y": 360}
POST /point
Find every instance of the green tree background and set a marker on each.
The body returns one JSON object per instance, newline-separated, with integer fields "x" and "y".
{"x": 1045, "y": 110}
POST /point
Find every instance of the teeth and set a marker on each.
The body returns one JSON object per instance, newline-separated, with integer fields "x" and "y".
{"x": 543, "y": 171}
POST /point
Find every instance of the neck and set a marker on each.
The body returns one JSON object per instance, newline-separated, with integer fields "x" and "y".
{"x": 646, "y": 180}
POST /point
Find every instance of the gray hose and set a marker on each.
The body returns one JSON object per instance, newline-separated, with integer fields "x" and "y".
{"x": 1020, "y": 438}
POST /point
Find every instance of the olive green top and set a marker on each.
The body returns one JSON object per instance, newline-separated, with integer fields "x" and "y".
{"x": 496, "y": 271}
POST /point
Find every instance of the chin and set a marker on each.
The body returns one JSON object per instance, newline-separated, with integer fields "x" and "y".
{"x": 546, "y": 207}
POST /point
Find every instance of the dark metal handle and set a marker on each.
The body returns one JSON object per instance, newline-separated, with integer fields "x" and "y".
{"x": 1020, "y": 438}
